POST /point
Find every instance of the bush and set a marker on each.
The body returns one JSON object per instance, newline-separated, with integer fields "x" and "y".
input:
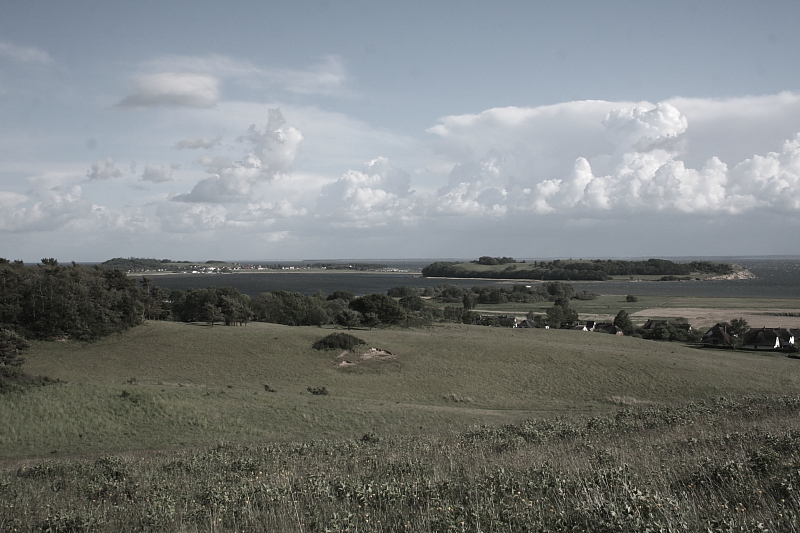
{"x": 341, "y": 294}
{"x": 388, "y": 311}
{"x": 11, "y": 348}
{"x": 12, "y": 379}
{"x": 338, "y": 341}
{"x": 587, "y": 295}
{"x": 631, "y": 298}
{"x": 401, "y": 291}
{"x": 317, "y": 391}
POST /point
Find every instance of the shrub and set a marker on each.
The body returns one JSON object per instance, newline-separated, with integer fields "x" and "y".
{"x": 388, "y": 311}
{"x": 631, "y": 298}
{"x": 317, "y": 391}
{"x": 338, "y": 341}
{"x": 587, "y": 295}
{"x": 341, "y": 294}
{"x": 401, "y": 291}
{"x": 11, "y": 348}
{"x": 12, "y": 379}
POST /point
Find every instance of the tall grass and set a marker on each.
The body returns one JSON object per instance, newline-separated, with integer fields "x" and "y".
{"x": 725, "y": 464}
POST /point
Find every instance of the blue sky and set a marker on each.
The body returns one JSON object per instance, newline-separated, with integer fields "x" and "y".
{"x": 287, "y": 130}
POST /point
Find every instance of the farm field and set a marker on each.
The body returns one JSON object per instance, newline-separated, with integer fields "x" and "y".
{"x": 700, "y": 312}
{"x": 171, "y": 385}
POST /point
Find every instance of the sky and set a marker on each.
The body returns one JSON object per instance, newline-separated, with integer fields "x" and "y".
{"x": 263, "y": 130}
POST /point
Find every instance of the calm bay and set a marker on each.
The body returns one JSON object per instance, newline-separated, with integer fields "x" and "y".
{"x": 775, "y": 278}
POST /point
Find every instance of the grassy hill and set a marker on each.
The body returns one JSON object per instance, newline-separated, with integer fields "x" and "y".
{"x": 169, "y": 385}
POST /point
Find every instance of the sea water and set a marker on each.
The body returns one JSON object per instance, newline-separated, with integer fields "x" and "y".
{"x": 775, "y": 278}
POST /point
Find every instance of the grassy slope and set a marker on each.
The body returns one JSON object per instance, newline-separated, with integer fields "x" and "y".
{"x": 196, "y": 385}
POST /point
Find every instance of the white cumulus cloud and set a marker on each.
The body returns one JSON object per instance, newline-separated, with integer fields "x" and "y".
{"x": 373, "y": 197}
{"x": 158, "y": 173}
{"x": 770, "y": 181}
{"x": 42, "y": 209}
{"x": 628, "y": 161}
{"x": 103, "y": 169}
{"x": 272, "y": 153}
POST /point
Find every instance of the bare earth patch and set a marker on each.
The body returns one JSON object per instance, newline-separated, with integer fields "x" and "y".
{"x": 372, "y": 353}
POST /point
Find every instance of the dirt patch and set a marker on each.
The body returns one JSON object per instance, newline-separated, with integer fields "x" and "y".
{"x": 370, "y": 354}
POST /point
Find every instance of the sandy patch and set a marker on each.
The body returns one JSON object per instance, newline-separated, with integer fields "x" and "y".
{"x": 356, "y": 358}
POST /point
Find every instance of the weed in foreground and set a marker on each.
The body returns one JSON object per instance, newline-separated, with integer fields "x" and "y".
{"x": 730, "y": 464}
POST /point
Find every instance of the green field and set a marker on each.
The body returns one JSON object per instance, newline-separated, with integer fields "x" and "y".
{"x": 169, "y": 427}
{"x": 700, "y": 312}
{"x": 167, "y": 385}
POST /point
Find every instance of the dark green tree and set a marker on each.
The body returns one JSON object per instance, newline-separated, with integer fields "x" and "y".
{"x": 401, "y": 291}
{"x": 469, "y": 300}
{"x": 54, "y": 301}
{"x": 348, "y": 318}
{"x": 317, "y": 316}
{"x": 156, "y": 300}
{"x": 288, "y": 308}
{"x": 623, "y": 322}
{"x": 341, "y": 294}
{"x": 412, "y": 302}
{"x": 234, "y": 311}
{"x": 370, "y": 320}
{"x": 212, "y": 313}
{"x": 11, "y": 348}
{"x": 739, "y": 327}
{"x": 387, "y": 310}
{"x": 560, "y": 313}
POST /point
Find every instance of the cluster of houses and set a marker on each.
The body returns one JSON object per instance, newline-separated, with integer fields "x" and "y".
{"x": 721, "y": 335}
{"x": 512, "y": 322}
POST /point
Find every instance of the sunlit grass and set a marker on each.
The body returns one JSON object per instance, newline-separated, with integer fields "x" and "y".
{"x": 169, "y": 385}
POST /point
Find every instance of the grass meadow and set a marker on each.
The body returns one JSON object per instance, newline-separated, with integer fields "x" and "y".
{"x": 181, "y": 427}
{"x": 174, "y": 384}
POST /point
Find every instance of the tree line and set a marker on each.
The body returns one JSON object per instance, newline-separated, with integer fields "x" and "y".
{"x": 53, "y": 301}
{"x": 50, "y": 300}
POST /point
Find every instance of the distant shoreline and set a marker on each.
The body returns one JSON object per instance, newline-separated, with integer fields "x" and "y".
{"x": 275, "y": 271}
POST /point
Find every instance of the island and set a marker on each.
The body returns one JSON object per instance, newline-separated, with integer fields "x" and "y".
{"x": 487, "y": 267}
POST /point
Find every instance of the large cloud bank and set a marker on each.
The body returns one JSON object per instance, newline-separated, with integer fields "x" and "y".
{"x": 579, "y": 160}
{"x": 620, "y": 162}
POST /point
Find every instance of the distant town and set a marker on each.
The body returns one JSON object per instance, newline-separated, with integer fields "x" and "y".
{"x": 136, "y": 265}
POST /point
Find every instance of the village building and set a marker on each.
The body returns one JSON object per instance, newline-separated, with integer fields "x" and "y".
{"x": 608, "y": 327}
{"x": 720, "y": 335}
{"x": 768, "y": 339}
